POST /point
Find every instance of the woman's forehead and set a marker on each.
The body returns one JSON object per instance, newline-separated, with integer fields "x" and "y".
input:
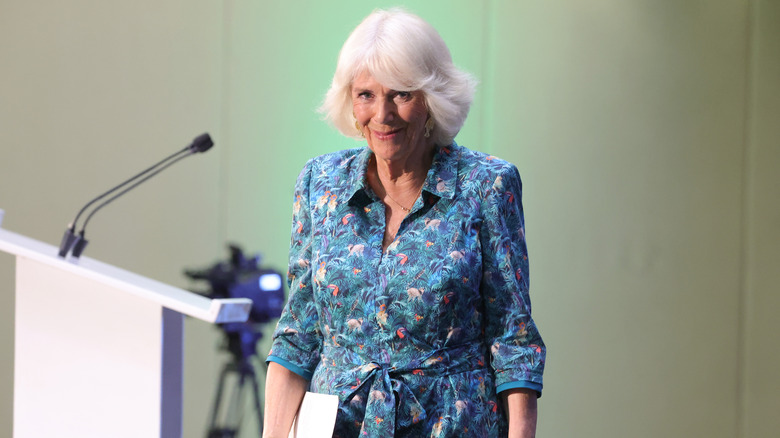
{"x": 370, "y": 79}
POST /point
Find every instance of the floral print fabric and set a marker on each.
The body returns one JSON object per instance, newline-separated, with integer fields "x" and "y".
{"x": 415, "y": 340}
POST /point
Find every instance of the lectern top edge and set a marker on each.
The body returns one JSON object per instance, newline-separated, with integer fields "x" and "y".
{"x": 182, "y": 301}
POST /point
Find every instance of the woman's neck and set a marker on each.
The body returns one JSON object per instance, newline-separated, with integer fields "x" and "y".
{"x": 403, "y": 176}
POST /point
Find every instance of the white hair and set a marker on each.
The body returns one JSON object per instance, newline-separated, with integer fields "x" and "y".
{"x": 402, "y": 52}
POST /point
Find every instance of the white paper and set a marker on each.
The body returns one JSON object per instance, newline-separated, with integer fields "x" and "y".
{"x": 316, "y": 417}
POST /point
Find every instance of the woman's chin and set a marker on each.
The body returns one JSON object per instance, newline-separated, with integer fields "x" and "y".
{"x": 385, "y": 150}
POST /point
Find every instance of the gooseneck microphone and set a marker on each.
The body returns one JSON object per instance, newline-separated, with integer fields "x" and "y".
{"x": 75, "y": 242}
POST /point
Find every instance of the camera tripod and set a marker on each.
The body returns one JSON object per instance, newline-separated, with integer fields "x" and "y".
{"x": 232, "y": 407}
{"x": 240, "y": 277}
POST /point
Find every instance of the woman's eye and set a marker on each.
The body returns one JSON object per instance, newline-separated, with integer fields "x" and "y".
{"x": 404, "y": 95}
{"x": 364, "y": 95}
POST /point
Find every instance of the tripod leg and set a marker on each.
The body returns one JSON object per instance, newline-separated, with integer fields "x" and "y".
{"x": 215, "y": 431}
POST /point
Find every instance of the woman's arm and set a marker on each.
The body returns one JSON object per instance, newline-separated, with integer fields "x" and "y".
{"x": 284, "y": 391}
{"x": 520, "y": 406}
{"x": 297, "y": 339}
{"x": 517, "y": 349}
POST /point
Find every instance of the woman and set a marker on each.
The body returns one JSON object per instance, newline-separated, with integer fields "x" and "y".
{"x": 408, "y": 268}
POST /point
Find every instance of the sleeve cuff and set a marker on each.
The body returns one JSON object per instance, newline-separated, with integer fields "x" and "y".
{"x": 521, "y": 384}
{"x": 291, "y": 366}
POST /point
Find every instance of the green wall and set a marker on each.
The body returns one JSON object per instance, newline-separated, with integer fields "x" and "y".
{"x": 644, "y": 131}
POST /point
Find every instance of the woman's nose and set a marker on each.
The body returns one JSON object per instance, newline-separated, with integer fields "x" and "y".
{"x": 385, "y": 112}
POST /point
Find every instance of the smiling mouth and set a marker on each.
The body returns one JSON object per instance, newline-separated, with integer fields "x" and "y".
{"x": 385, "y": 135}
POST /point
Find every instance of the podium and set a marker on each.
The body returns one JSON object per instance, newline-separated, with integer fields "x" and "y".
{"x": 99, "y": 350}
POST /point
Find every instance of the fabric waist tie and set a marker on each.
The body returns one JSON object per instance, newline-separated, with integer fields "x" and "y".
{"x": 387, "y": 388}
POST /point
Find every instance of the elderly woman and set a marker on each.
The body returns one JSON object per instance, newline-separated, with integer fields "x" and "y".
{"x": 408, "y": 265}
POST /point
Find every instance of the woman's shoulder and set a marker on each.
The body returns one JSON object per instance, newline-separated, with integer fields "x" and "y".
{"x": 333, "y": 171}
{"x": 481, "y": 165}
{"x": 333, "y": 163}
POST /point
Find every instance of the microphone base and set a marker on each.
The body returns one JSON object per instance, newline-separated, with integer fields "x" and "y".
{"x": 68, "y": 239}
{"x": 79, "y": 246}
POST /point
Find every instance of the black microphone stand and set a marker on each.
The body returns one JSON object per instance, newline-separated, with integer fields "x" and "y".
{"x": 75, "y": 243}
{"x": 81, "y": 241}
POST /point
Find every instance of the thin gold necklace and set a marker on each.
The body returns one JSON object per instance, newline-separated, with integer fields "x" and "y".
{"x": 381, "y": 184}
{"x": 398, "y": 203}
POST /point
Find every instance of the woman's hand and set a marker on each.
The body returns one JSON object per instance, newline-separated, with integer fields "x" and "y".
{"x": 520, "y": 406}
{"x": 284, "y": 391}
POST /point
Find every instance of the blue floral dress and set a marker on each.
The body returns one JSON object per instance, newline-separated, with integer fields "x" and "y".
{"x": 418, "y": 339}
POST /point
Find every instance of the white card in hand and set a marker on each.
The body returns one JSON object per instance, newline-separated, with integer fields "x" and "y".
{"x": 316, "y": 417}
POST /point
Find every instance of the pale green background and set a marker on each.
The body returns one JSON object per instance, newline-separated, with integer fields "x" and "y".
{"x": 646, "y": 132}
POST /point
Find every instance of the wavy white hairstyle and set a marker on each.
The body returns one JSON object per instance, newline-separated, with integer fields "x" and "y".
{"x": 402, "y": 52}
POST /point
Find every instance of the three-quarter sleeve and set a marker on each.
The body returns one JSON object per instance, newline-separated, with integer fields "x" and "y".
{"x": 297, "y": 339}
{"x": 517, "y": 349}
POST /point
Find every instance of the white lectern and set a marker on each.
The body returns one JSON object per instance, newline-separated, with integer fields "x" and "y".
{"x": 99, "y": 350}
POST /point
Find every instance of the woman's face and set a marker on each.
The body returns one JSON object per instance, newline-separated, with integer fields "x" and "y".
{"x": 393, "y": 122}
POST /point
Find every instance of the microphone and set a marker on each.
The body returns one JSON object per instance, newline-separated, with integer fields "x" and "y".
{"x": 75, "y": 243}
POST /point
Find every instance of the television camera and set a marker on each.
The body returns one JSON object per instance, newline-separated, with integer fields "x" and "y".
{"x": 240, "y": 277}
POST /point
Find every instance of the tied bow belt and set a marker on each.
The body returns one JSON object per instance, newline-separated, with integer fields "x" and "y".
{"x": 389, "y": 399}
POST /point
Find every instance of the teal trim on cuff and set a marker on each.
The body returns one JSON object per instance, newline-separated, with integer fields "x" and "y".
{"x": 521, "y": 384}
{"x": 291, "y": 366}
